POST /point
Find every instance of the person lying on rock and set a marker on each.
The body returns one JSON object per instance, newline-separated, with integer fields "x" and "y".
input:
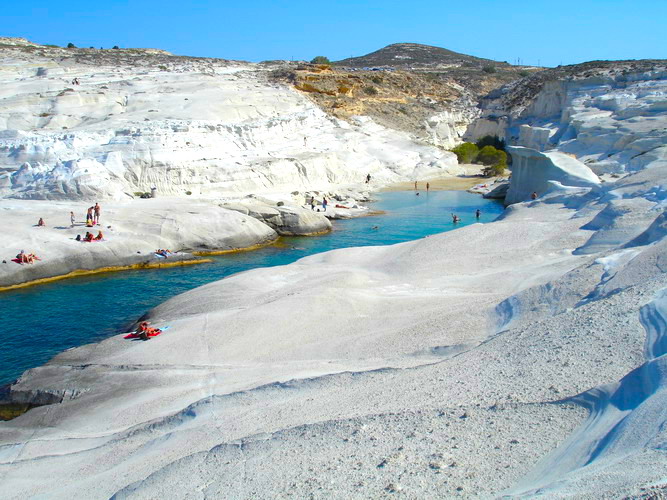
{"x": 26, "y": 258}
{"x": 88, "y": 236}
{"x": 99, "y": 236}
{"x": 145, "y": 331}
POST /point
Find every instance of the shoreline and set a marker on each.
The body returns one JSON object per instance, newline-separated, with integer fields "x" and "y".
{"x": 455, "y": 183}
{"x": 106, "y": 269}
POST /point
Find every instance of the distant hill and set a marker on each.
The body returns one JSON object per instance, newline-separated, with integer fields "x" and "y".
{"x": 416, "y": 56}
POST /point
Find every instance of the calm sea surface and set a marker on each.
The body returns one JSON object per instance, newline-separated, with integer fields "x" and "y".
{"x": 38, "y": 322}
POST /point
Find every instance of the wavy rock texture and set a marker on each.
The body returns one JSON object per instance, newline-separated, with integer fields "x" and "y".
{"x": 208, "y": 127}
{"x": 522, "y": 357}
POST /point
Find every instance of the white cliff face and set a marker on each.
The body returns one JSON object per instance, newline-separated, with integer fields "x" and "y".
{"x": 535, "y": 172}
{"x": 614, "y": 121}
{"x": 221, "y": 128}
{"x": 446, "y": 129}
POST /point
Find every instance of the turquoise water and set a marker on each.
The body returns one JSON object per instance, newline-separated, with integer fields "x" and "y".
{"x": 38, "y": 322}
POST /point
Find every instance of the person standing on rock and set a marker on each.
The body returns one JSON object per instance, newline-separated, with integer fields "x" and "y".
{"x": 97, "y": 209}
{"x": 89, "y": 217}
{"x": 71, "y": 218}
{"x": 368, "y": 178}
{"x": 415, "y": 185}
{"x": 312, "y": 203}
{"x": 428, "y": 186}
{"x": 324, "y": 203}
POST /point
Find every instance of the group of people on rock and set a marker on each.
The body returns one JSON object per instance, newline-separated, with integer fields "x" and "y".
{"x": 26, "y": 258}
{"x": 89, "y": 237}
{"x": 163, "y": 252}
{"x": 324, "y": 203}
{"x": 92, "y": 216}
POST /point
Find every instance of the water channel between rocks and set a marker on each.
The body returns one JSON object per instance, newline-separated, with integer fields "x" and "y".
{"x": 38, "y": 322}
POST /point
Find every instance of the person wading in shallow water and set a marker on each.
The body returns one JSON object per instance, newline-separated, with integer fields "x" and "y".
{"x": 478, "y": 212}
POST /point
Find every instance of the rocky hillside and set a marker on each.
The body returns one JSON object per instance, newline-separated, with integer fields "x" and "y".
{"x": 477, "y": 75}
{"x": 415, "y": 55}
{"x": 427, "y": 91}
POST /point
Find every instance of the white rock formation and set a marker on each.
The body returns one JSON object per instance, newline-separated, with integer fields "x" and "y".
{"x": 208, "y": 127}
{"x": 285, "y": 220}
{"x": 533, "y": 171}
{"x": 611, "y": 117}
{"x": 132, "y": 231}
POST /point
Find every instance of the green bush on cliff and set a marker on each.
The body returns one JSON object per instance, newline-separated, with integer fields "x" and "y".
{"x": 489, "y": 155}
{"x": 491, "y": 140}
{"x": 494, "y": 170}
{"x": 466, "y": 152}
{"x": 494, "y": 159}
{"x": 320, "y": 60}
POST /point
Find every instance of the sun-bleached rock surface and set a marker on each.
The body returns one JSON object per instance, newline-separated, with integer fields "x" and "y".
{"x": 610, "y": 114}
{"x": 523, "y": 357}
{"x": 138, "y": 120}
{"x": 133, "y": 230}
{"x": 534, "y": 172}
{"x": 285, "y": 220}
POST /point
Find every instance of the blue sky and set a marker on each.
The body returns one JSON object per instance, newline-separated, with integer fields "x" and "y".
{"x": 547, "y": 32}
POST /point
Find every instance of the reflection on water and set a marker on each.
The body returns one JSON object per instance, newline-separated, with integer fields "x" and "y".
{"x": 38, "y": 322}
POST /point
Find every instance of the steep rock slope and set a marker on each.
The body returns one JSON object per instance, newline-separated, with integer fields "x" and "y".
{"x": 609, "y": 114}
{"x": 139, "y": 119}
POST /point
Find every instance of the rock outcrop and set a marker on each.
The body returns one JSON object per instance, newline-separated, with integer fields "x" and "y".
{"x": 609, "y": 114}
{"x": 285, "y": 220}
{"x": 534, "y": 172}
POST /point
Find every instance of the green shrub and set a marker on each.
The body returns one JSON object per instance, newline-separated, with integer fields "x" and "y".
{"x": 320, "y": 60}
{"x": 71, "y": 46}
{"x": 491, "y": 140}
{"x": 494, "y": 170}
{"x": 116, "y": 47}
{"x": 466, "y": 152}
{"x": 371, "y": 90}
{"x": 188, "y": 193}
{"x": 523, "y": 73}
{"x": 491, "y": 156}
{"x": 376, "y": 80}
{"x": 489, "y": 69}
